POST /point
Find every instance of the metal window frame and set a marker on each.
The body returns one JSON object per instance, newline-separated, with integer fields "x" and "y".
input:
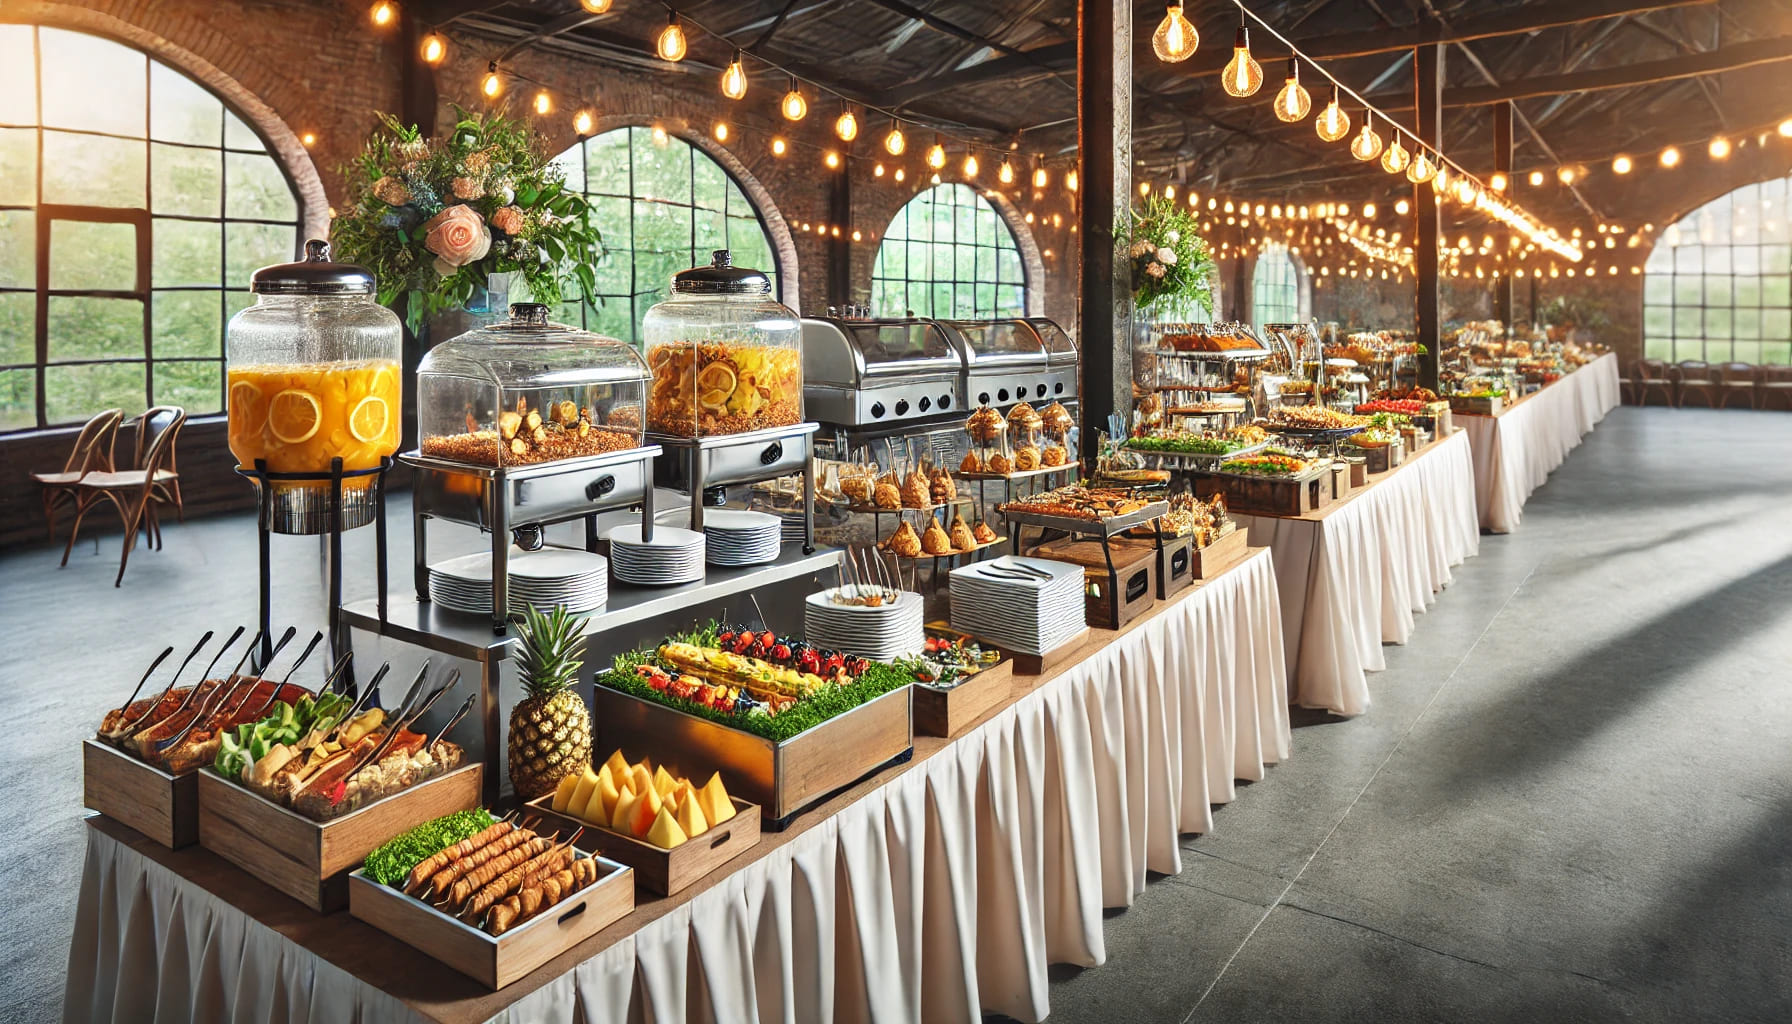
{"x": 1680, "y": 347}
{"x": 955, "y": 192}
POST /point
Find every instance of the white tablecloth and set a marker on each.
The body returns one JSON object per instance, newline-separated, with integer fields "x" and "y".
{"x": 941, "y": 894}
{"x": 1353, "y": 579}
{"x": 1517, "y": 450}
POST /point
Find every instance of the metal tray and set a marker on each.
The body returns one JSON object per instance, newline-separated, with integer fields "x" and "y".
{"x": 1202, "y": 457}
{"x": 1099, "y": 527}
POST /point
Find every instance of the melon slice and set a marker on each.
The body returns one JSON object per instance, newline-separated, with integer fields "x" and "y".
{"x": 618, "y": 767}
{"x": 604, "y": 799}
{"x": 717, "y": 807}
{"x": 642, "y": 780}
{"x": 625, "y": 813}
{"x": 690, "y": 819}
{"x": 663, "y": 782}
{"x": 581, "y": 794}
{"x": 563, "y": 792}
{"x": 664, "y": 832}
{"x": 646, "y": 808}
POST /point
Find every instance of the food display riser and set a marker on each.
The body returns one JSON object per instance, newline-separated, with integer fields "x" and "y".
{"x": 1028, "y": 668}
{"x": 786, "y": 777}
{"x": 1359, "y": 473}
{"x": 163, "y": 807}
{"x": 946, "y": 713}
{"x": 1222, "y": 554}
{"x": 495, "y": 961}
{"x": 659, "y": 871}
{"x": 1121, "y": 579}
{"x": 1478, "y": 406}
{"x": 311, "y": 860}
{"x": 1267, "y": 495}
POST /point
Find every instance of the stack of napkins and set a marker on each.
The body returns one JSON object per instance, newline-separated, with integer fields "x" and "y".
{"x": 1024, "y": 612}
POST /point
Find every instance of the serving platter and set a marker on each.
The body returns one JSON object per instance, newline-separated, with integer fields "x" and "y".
{"x": 659, "y": 870}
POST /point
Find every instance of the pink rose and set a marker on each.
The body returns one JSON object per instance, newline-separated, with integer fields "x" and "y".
{"x": 508, "y": 219}
{"x": 457, "y": 235}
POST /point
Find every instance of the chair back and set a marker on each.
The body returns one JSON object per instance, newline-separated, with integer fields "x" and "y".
{"x": 1694, "y": 370}
{"x": 1736, "y": 373}
{"x": 1652, "y": 369}
{"x": 93, "y": 445}
{"x": 1778, "y": 373}
{"x": 156, "y": 423}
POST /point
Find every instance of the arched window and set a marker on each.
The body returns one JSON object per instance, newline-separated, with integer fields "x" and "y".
{"x": 662, "y": 205}
{"x": 949, "y": 254}
{"x": 133, "y": 207}
{"x": 1718, "y": 285}
{"x": 1276, "y": 287}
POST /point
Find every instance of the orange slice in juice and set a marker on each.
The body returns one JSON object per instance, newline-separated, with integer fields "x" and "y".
{"x": 294, "y": 415}
{"x": 246, "y": 412}
{"x": 368, "y": 420}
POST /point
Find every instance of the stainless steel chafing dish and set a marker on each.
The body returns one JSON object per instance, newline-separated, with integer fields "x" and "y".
{"x": 873, "y": 373}
{"x": 1013, "y": 361}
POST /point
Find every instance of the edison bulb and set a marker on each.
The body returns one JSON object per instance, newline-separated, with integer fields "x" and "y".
{"x": 581, "y": 122}
{"x": 1670, "y": 157}
{"x": 433, "y": 49}
{"x": 1367, "y": 144}
{"x": 895, "y": 142}
{"x": 384, "y": 13}
{"x": 1005, "y": 174}
{"x": 793, "y": 106}
{"x": 1565, "y": 175}
{"x": 1368, "y": 209}
{"x": 1243, "y": 75}
{"x": 936, "y": 156}
{"x": 1536, "y": 179}
{"x": 1396, "y": 158}
{"x": 596, "y": 6}
{"x": 832, "y": 159}
{"x": 1421, "y": 170}
{"x": 492, "y": 85}
{"x": 901, "y": 174}
{"x": 779, "y": 146}
{"x": 671, "y": 45}
{"x": 1070, "y": 180}
{"x": 1332, "y": 123}
{"x": 1041, "y": 178}
{"x": 1498, "y": 182}
{"x": 1785, "y": 128}
{"x": 1719, "y": 148}
{"x": 720, "y": 131}
{"x": 1621, "y": 164}
{"x": 1402, "y": 207}
{"x": 544, "y": 104}
{"x": 970, "y": 165}
{"x": 734, "y": 79}
{"x": 1175, "y": 39}
{"x": 846, "y": 126}
{"x": 1293, "y": 103}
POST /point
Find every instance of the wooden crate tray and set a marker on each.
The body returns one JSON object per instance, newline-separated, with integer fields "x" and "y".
{"x": 496, "y": 960}
{"x": 1221, "y": 555}
{"x": 310, "y": 860}
{"x": 163, "y": 807}
{"x": 948, "y": 712}
{"x": 1268, "y": 495}
{"x": 660, "y": 871}
{"x": 1111, "y": 599}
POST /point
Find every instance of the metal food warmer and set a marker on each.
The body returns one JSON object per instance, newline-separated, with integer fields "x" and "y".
{"x": 870, "y": 381}
{"x": 1007, "y": 362}
{"x": 726, "y": 400}
{"x": 522, "y": 425}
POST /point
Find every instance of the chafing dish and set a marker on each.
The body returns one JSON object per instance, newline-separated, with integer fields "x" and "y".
{"x": 1012, "y": 361}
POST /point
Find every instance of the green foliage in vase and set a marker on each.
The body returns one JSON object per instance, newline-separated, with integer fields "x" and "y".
{"x": 435, "y": 218}
{"x": 1172, "y": 270}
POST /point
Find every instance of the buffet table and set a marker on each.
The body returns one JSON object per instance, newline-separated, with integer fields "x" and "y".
{"x": 936, "y": 890}
{"x": 1516, "y": 450}
{"x": 1353, "y": 574}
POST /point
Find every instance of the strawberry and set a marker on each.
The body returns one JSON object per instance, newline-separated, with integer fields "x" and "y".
{"x": 768, "y": 639}
{"x": 810, "y": 662}
{"x": 781, "y": 652}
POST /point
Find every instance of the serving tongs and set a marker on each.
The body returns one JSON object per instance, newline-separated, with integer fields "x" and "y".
{"x": 399, "y": 725}
{"x": 131, "y": 727}
{"x": 234, "y": 682}
{"x": 281, "y": 685}
{"x": 151, "y": 670}
{"x": 355, "y": 709}
{"x": 193, "y": 691}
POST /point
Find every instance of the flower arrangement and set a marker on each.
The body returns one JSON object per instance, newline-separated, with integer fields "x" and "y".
{"x": 435, "y": 219}
{"x": 1171, "y": 267}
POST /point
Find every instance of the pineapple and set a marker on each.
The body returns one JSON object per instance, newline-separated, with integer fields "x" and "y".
{"x": 550, "y": 729}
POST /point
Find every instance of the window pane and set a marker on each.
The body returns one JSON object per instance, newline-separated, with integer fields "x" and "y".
{"x": 1747, "y": 323}
{"x": 18, "y": 76}
{"x": 254, "y": 188}
{"x": 572, "y": 169}
{"x": 186, "y": 324}
{"x": 185, "y": 180}
{"x": 18, "y": 166}
{"x": 89, "y": 256}
{"x": 18, "y": 399}
{"x": 92, "y": 84}
{"x": 185, "y": 253}
{"x": 91, "y": 170}
{"x": 18, "y": 328}
{"x": 74, "y": 393}
{"x": 249, "y": 247}
{"x": 195, "y": 387}
{"x": 181, "y": 110}
{"x": 89, "y": 328}
{"x": 18, "y": 249}
{"x": 238, "y": 135}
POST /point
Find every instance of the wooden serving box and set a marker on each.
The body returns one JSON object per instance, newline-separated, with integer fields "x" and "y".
{"x": 1268, "y": 495}
{"x": 1359, "y": 473}
{"x": 947, "y": 712}
{"x": 496, "y": 960}
{"x": 1340, "y": 480}
{"x": 663, "y": 872}
{"x": 1380, "y": 460}
{"x": 1491, "y": 406}
{"x": 1175, "y": 562}
{"x": 310, "y": 860}
{"x": 783, "y": 778}
{"x": 163, "y": 807}
{"x": 1221, "y": 555}
{"x": 1052, "y": 660}
{"x": 1110, "y": 599}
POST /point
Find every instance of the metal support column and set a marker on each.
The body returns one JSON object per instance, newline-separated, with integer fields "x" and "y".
{"x": 1104, "y": 144}
{"x": 1502, "y": 164}
{"x": 1428, "y": 78}
{"x": 839, "y": 245}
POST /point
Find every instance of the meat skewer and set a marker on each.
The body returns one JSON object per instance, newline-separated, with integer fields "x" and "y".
{"x": 437, "y": 861}
{"x": 443, "y": 879}
{"x": 143, "y": 720}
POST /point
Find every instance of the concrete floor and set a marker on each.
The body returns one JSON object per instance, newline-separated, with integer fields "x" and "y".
{"x": 1572, "y": 799}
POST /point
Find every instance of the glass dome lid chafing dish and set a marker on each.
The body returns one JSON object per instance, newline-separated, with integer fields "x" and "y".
{"x": 524, "y": 424}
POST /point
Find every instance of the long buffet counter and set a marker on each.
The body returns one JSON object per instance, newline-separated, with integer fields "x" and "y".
{"x": 936, "y": 890}
{"x": 1516, "y": 450}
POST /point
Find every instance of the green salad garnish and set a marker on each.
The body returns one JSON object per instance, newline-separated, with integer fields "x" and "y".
{"x": 391, "y": 863}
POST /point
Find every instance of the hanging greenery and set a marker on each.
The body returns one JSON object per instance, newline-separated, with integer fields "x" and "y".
{"x": 435, "y": 219}
{"x": 1172, "y": 271}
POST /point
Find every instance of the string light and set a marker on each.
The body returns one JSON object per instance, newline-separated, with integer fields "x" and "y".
{"x": 671, "y": 44}
{"x": 846, "y": 126}
{"x": 1536, "y": 179}
{"x": 936, "y": 156}
{"x": 1367, "y": 144}
{"x": 901, "y": 175}
{"x": 544, "y": 104}
{"x": 779, "y": 146}
{"x": 1368, "y": 209}
{"x": 970, "y": 165}
{"x": 832, "y": 159}
{"x": 1170, "y": 192}
{"x": 1396, "y": 158}
{"x": 1498, "y": 182}
{"x": 734, "y": 79}
{"x": 596, "y": 6}
{"x": 1243, "y": 75}
{"x": 1144, "y": 188}
{"x": 1719, "y": 148}
{"x": 660, "y": 138}
{"x": 1421, "y": 170}
{"x": 793, "y": 106}
{"x": 1565, "y": 175}
{"x": 582, "y": 122}
{"x": 721, "y": 131}
{"x": 384, "y": 13}
{"x": 1785, "y": 128}
{"x": 1070, "y": 181}
{"x": 1005, "y": 173}
{"x": 1332, "y": 123}
{"x": 308, "y": 139}
{"x": 1175, "y": 39}
{"x": 1670, "y": 157}
{"x": 895, "y": 142}
{"x": 878, "y": 171}
{"x": 1293, "y": 103}
{"x": 433, "y": 49}
{"x": 1621, "y": 164}
{"x": 492, "y": 84}
{"x": 1041, "y": 178}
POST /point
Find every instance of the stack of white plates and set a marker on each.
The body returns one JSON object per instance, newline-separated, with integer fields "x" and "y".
{"x": 731, "y": 536}
{"x": 1024, "y": 613}
{"x": 883, "y": 633}
{"x": 674, "y": 555}
{"x": 579, "y": 580}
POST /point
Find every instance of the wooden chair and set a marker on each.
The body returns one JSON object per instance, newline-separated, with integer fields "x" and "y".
{"x": 1694, "y": 376}
{"x": 92, "y": 453}
{"x": 1737, "y": 379}
{"x": 1653, "y": 373}
{"x": 167, "y": 484}
{"x": 133, "y": 492}
{"x": 1774, "y": 381}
